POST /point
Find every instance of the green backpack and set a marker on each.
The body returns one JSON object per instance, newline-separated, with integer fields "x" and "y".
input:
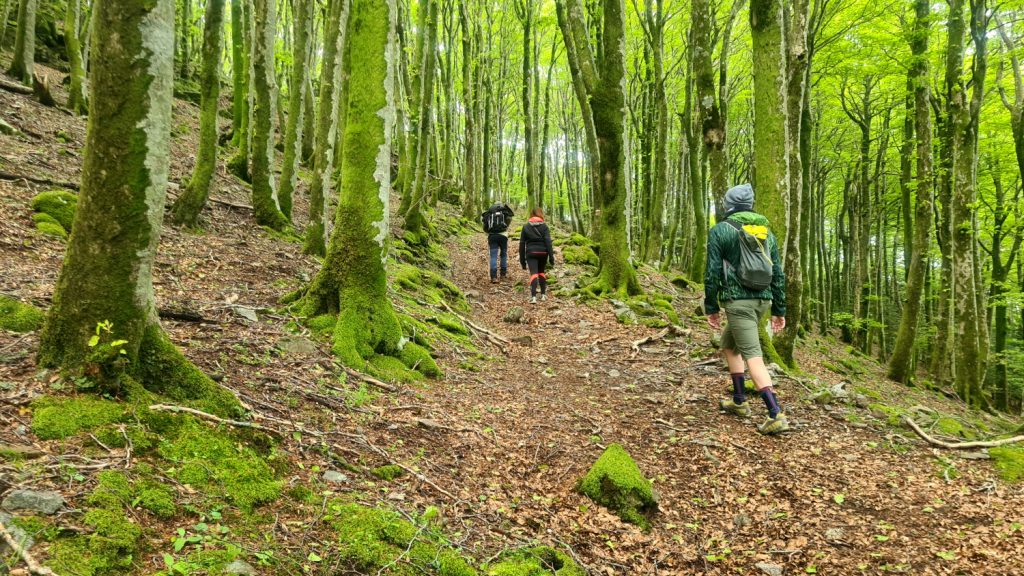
{"x": 754, "y": 269}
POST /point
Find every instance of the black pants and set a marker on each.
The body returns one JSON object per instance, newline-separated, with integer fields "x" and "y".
{"x": 498, "y": 243}
{"x": 537, "y": 263}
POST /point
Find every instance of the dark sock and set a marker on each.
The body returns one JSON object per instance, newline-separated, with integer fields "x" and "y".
{"x": 770, "y": 401}
{"x": 739, "y": 388}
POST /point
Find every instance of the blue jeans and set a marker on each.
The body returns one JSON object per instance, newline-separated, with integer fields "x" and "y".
{"x": 498, "y": 243}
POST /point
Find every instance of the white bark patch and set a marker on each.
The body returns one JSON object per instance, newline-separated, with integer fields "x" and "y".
{"x": 326, "y": 176}
{"x": 157, "y": 57}
{"x": 383, "y": 172}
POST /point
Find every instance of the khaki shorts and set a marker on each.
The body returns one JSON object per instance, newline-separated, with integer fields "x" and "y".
{"x": 742, "y": 319}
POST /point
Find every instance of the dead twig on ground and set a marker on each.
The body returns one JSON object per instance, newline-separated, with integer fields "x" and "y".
{"x": 43, "y": 181}
{"x": 416, "y": 474}
{"x": 496, "y": 339}
{"x": 33, "y": 566}
{"x": 671, "y": 329}
{"x": 212, "y": 418}
{"x": 959, "y": 445}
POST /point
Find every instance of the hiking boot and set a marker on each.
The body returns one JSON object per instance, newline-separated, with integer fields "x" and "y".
{"x": 533, "y": 299}
{"x": 494, "y": 280}
{"x": 776, "y": 425}
{"x": 728, "y": 405}
{"x": 543, "y": 297}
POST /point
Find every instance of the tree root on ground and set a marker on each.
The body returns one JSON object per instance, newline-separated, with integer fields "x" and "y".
{"x": 959, "y": 445}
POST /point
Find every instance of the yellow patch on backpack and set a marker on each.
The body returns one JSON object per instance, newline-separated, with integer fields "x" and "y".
{"x": 759, "y": 232}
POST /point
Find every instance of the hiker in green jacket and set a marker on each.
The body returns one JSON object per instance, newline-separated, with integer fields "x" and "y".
{"x": 746, "y": 282}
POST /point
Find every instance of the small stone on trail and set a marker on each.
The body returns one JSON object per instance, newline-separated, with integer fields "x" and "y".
{"x": 835, "y": 534}
{"x": 247, "y": 313}
{"x": 741, "y": 520}
{"x": 472, "y": 295}
{"x": 297, "y": 345}
{"x": 514, "y": 315}
{"x": 978, "y": 455}
{"x": 334, "y": 477}
{"x": 523, "y": 340}
{"x": 613, "y": 373}
{"x": 241, "y": 568}
{"x": 769, "y": 569}
{"x": 626, "y": 315}
{"x": 44, "y": 502}
{"x": 861, "y": 401}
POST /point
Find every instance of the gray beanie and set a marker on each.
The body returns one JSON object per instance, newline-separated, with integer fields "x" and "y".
{"x": 739, "y": 199}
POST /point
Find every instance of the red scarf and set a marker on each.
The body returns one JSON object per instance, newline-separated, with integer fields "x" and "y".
{"x": 536, "y": 219}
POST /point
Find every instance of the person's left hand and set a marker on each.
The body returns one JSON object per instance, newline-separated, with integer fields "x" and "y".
{"x": 715, "y": 321}
{"x": 778, "y": 323}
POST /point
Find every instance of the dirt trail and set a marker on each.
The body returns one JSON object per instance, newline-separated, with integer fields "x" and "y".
{"x": 729, "y": 498}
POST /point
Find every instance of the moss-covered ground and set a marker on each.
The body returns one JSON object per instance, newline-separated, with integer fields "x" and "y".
{"x": 18, "y": 316}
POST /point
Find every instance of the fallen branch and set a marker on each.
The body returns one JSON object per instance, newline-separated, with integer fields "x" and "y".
{"x": 33, "y": 566}
{"x": 670, "y": 329}
{"x": 44, "y": 181}
{"x": 181, "y": 315}
{"x": 418, "y": 476}
{"x": 496, "y": 339}
{"x": 369, "y": 379}
{"x": 212, "y": 418}
{"x": 959, "y": 445}
{"x": 15, "y": 87}
{"x": 231, "y": 204}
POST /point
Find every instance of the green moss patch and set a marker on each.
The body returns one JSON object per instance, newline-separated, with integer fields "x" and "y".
{"x": 59, "y": 205}
{"x": 538, "y": 561}
{"x": 891, "y": 414}
{"x": 580, "y": 255}
{"x": 430, "y": 285}
{"x": 416, "y": 357}
{"x": 370, "y": 540}
{"x": 216, "y": 462}
{"x": 58, "y": 418}
{"x": 18, "y": 317}
{"x": 615, "y": 482}
{"x": 1009, "y": 461}
{"x": 391, "y": 369}
{"x": 388, "y": 472}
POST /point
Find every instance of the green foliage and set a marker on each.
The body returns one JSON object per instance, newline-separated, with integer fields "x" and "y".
{"x": 58, "y": 418}
{"x": 615, "y": 481}
{"x": 18, "y": 317}
{"x": 376, "y": 541}
{"x": 59, "y": 205}
{"x": 537, "y": 561}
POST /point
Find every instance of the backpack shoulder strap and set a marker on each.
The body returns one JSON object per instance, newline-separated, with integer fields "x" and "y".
{"x": 734, "y": 224}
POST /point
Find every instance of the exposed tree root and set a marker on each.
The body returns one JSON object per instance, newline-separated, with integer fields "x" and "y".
{"x": 33, "y": 566}
{"x": 959, "y": 445}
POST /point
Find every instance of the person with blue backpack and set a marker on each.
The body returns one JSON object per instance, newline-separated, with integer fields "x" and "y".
{"x": 744, "y": 276}
{"x": 496, "y": 221}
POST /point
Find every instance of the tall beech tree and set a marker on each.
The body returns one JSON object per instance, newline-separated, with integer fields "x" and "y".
{"x": 72, "y": 41}
{"x": 107, "y": 276}
{"x": 598, "y": 85}
{"x": 185, "y": 210}
{"x": 414, "y": 217}
{"x": 24, "y": 58}
{"x": 302, "y": 21}
{"x": 264, "y": 87}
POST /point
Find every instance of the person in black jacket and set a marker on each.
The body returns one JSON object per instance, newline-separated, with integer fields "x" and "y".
{"x": 536, "y": 251}
{"x": 496, "y": 221}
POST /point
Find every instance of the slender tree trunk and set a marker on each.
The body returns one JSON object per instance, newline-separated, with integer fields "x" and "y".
{"x": 470, "y": 201}
{"x": 23, "y": 60}
{"x": 327, "y": 136}
{"x": 302, "y": 21}
{"x": 414, "y": 219}
{"x": 107, "y": 273}
{"x": 239, "y": 164}
{"x": 185, "y": 211}
{"x": 76, "y": 90}
{"x": 264, "y": 193}
{"x": 239, "y": 75}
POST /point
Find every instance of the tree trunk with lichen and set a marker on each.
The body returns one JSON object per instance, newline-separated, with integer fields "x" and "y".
{"x": 470, "y": 202}
{"x": 264, "y": 194}
{"x": 326, "y": 127}
{"x": 23, "y": 60}
{"x": 239, "y": 163}
{"x": 302, "y": 21}
{"x": 239, "y": 74}
{"x": 414, "y": 219}
{"x": 72, "y": 41}
{"x": 353, "y": 281}
{"x": 185, "y": 210}
{"x": 107, "y": 276}
{"x": 598, "y": 85}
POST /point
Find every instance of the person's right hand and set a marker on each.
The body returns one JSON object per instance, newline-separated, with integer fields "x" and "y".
{"x": 715, "y": 321}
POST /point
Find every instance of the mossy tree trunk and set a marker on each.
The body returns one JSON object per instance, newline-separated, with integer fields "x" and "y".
{"x": 5, "y": 14}
{"x": 470, "y": 202}
{"x": 264, "y": 87}
{"x": 24, "y": 57}
{"x": 414, "y": 219}
{"x": 327, "y": 126}
{"x": 108, "y": 267}
{"x": 239, "y": 164}
{"x": 185, "y": 210}
{"x": 901, "y": 362}
{"x": 72, "y": 40}
{"x": 353, "y": 281}
{"x": 301, "y": 22}
{"x": 598, "y": 84}
{"x": 654, "y": 217}
{"x": 525, "y": 12}
{"x": 239, "y": 74}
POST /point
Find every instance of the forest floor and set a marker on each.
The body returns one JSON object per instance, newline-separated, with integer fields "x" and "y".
{"x": 500, "y": 441}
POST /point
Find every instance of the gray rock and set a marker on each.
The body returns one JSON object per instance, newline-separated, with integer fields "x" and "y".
{"x": 240, "y": 567}
{"x": 978, "y": 455}
{"x": 334, "y": 477}
{"x": 297, "y": 345}
{"x": 514, "y": 315}
{"x": 626, "y": 315}
{"x": 246, "y": 312}
{"x": 835, "y": 534}
{"x": 613, "y": 373}
{"x": 861, "y": 401}
{"x": 839, "y": 392}
{"x": 523, "y": 340}
{"x": 472, "y": 295}
{"x": 43, "y": 502}
{"x": 769, "y": 569}
{"x": 15, "y": 451}
{"x": 741, "y": 520}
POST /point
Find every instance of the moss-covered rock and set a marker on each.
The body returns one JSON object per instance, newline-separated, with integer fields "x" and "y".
{"x": 1009, "y": 461}
{"x": 18, "y": 317}
{"x": 371, "y": 539}
{"x": 580, "y": 255}
{"x": 418, "y": 358}
{"x": 391, "y": 369}
{"x": 59, "y": 205}
{"x": 538, "y": 561}
{"x": 615, "y": 482}
{"x": 388, "y": 472}
{"x": 58, "y": 418}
